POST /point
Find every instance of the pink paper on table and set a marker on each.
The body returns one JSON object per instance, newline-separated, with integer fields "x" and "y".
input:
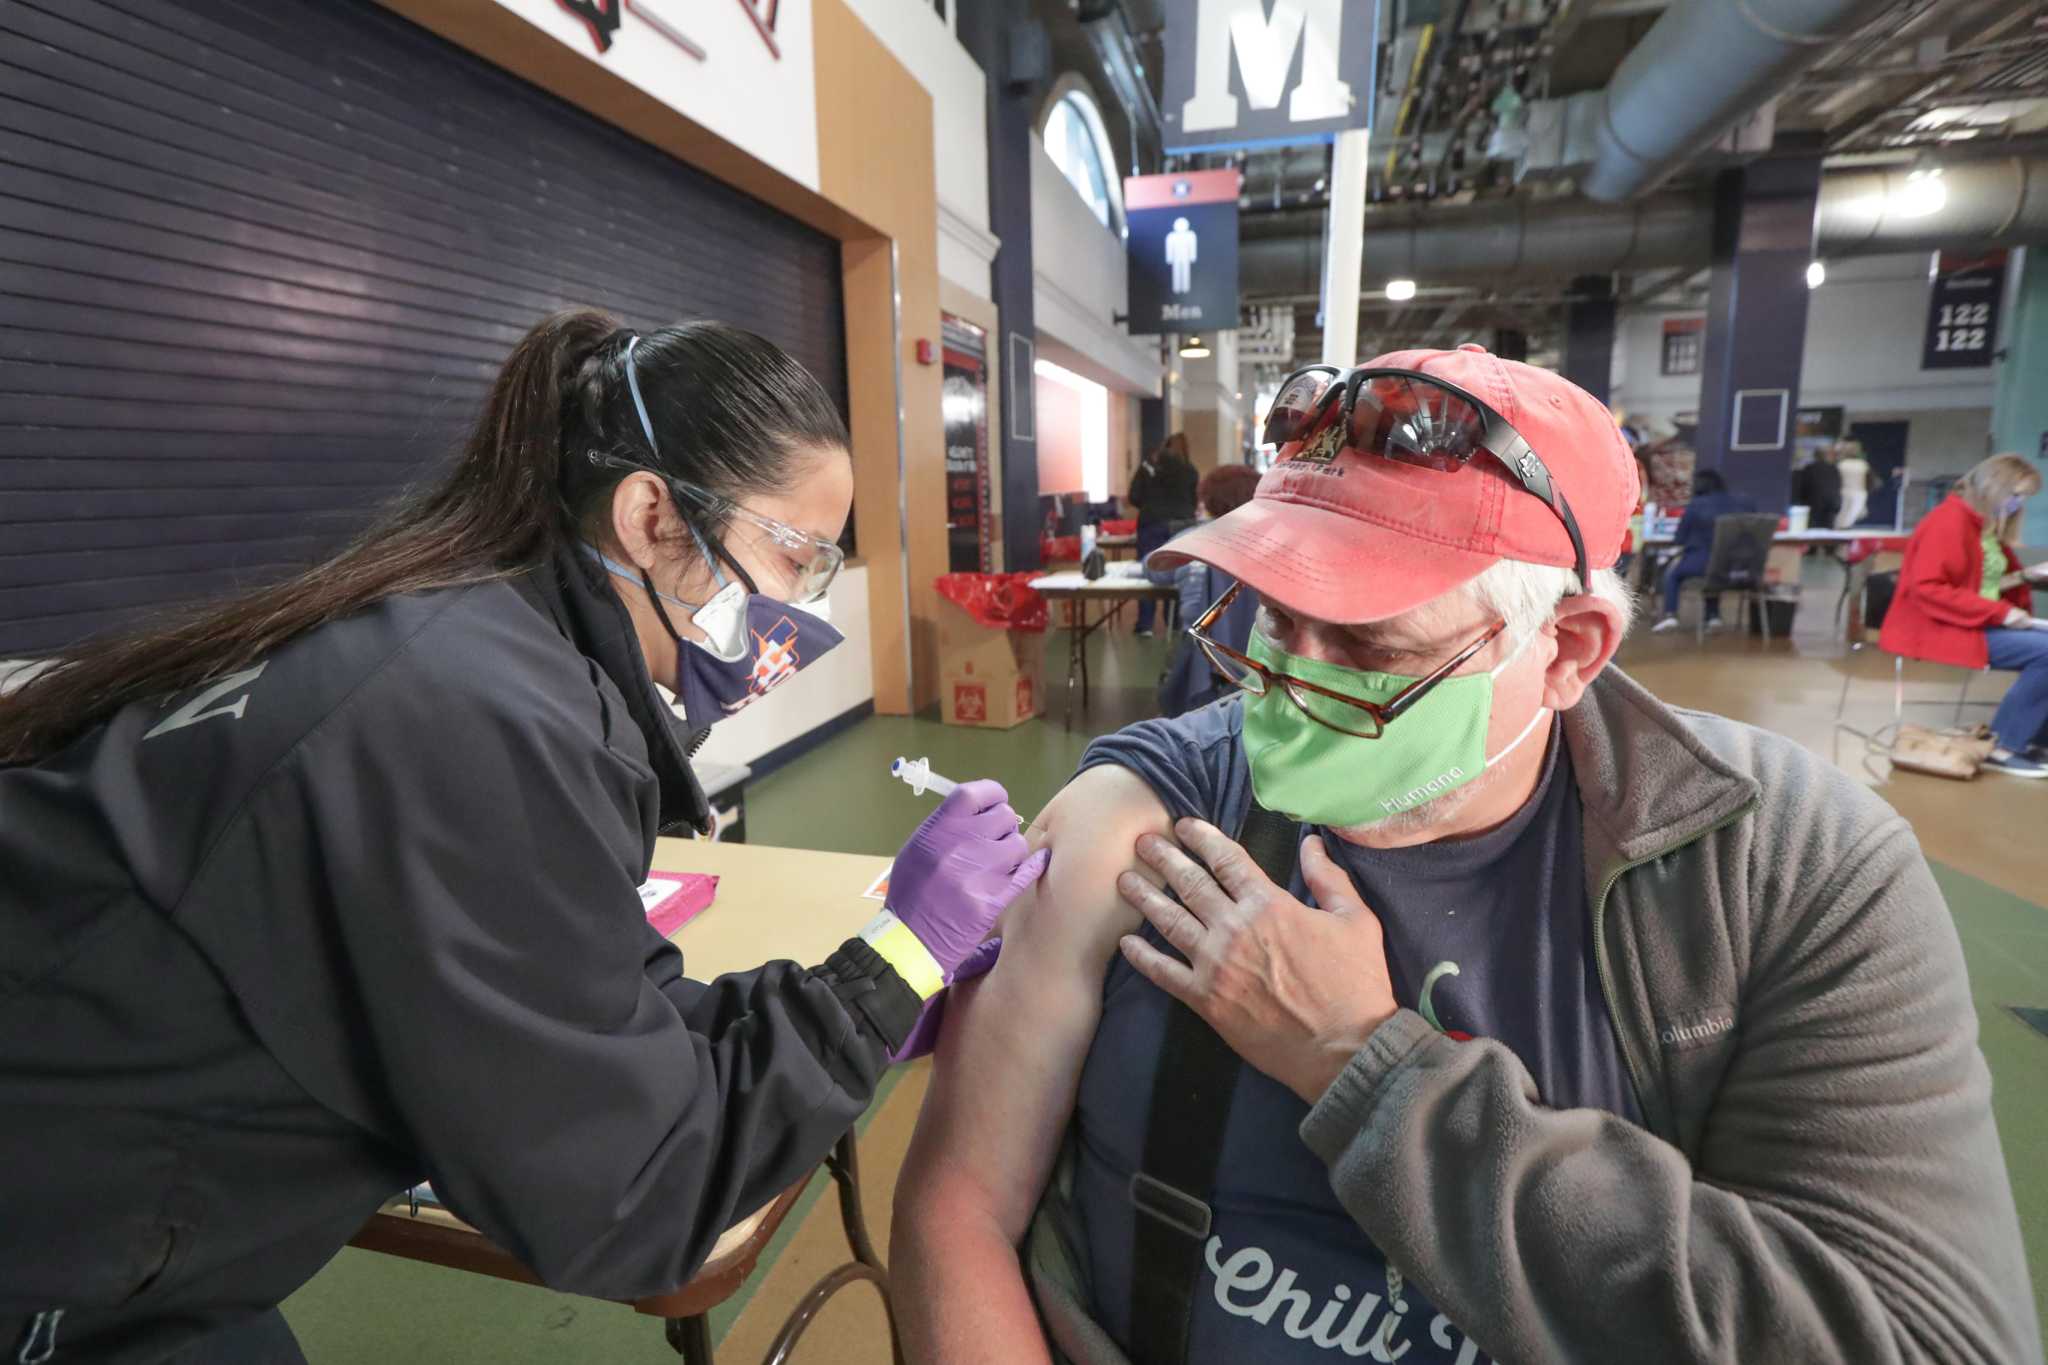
{"x": 673, "y": 899}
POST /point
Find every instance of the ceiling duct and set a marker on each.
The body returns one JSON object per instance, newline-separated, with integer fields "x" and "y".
{"x": 1702, "y": 68}
{"x": 1109, "y": 33}
{"x": 1862, "y": 212}
{"x": 1977, "y": 204}
{"x": 1498, "y": 240}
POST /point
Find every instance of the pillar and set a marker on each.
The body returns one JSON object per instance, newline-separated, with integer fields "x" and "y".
{"x": 1343, "y": 251}
{"x": 1589, "y": 334}
{"x": 1152, "y": 432}
{"x": 1756, "y": 323}
{"x": 2019, "y": 415}
{"x": 991, "y": 31}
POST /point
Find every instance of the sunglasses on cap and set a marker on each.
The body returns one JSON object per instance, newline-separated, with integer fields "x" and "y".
{"x": 1410, "y": 418}
{"x": 812, "y": 561}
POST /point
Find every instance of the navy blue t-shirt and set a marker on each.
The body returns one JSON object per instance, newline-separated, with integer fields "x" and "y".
{"x": 1486, "y": 937}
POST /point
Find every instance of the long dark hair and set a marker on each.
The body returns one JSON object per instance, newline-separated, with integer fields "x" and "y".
{"x": 730, "y": 410}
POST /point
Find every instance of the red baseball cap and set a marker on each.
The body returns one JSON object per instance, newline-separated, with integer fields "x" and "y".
{"x": 1359, "y": 538}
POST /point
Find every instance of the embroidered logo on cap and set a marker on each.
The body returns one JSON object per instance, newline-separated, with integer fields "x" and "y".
{"x": 1323, "y": 447}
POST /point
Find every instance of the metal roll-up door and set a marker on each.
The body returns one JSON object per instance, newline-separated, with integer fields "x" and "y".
{"x": 258, "y": 264}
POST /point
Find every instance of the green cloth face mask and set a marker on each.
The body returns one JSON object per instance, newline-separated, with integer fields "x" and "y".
{"x": 1306, "y": 770}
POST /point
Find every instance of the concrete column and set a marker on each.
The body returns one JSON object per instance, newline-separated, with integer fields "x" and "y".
{"x": 1344, "y": 249}
{"x": 1152, "y": 432}
{"x": 987, "y": 30}
{"x": 2019, "y": 416}
{"x": 1756, "y": 323}
{"x": 1589, "y": 334}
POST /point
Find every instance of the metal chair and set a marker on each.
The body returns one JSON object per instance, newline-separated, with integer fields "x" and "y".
{"x": 1735, "y": 564}
{"x": 1883, "y": 736}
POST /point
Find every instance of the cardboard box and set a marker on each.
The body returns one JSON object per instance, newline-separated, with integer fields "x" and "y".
{"x": 991, "y": 678}
{"x": 1782, "y": 565}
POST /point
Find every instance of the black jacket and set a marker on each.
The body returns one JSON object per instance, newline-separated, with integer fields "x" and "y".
{"x": 1163, "y": 490}
{"x": 363, "y": 915}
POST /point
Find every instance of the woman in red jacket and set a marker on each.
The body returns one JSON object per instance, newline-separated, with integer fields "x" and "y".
{"x": 1963, "y": 599}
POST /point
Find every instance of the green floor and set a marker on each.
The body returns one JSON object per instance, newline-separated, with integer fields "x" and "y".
{"x": 366, "y": 1308}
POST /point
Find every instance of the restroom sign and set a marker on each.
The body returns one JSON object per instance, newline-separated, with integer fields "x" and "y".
{"x": 1243, "y": 72}
{"x": 1183, "y": 251}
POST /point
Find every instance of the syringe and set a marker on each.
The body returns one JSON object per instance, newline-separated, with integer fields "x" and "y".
{"x": 918, "y": 775}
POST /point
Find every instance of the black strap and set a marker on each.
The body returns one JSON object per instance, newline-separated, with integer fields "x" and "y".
{"x": 1191, "y": 1096}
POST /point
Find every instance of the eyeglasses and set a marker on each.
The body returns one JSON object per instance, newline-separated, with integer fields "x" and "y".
{"x": 1326, "y": 706}
{"x": 811, "y": 561}
{"x": 1411, "y": 418}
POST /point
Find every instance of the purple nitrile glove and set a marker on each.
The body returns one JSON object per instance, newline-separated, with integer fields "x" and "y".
{"x": 961, "y": 868}
{"x": 924, "y": 1034}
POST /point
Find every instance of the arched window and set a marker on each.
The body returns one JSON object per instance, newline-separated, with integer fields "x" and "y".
{"x": 1075, "y": 140}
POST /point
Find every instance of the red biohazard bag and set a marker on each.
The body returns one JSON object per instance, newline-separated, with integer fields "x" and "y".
{"x": 1000, "y": 601}
{"x": 1125, "y": 526}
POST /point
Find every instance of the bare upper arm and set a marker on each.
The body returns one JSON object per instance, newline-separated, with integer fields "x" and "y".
{"x": 1010, "y": 1057}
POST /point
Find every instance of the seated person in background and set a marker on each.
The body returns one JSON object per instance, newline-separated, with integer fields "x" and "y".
{"x": 1621, "y": 1033}
{"x": 1711, "y": 501}
{"x": 1189, "y": 681}
{"x": 1963, "y": 599}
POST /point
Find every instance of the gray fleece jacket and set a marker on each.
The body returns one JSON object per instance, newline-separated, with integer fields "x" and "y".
{"x": 1818, "y": 1179}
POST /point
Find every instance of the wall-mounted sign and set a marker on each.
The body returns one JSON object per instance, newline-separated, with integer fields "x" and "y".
{"x": 1243, "y": 72}
{"x": 1684, "y": 339}
{"x": 1183, "y": 251}
{"x": 965, "y": 390}
{"x": 741, "y": 68}
{"x": 1962, "y": 311}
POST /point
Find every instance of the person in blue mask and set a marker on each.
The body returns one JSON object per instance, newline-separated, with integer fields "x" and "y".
{"x": 1445, "y": 997}
{"x": 313, "y": 894}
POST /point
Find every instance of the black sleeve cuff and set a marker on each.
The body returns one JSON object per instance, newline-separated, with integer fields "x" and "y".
{"x": 872, "y": 992}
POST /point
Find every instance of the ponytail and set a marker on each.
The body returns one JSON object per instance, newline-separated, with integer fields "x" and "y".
{"x": 499, "y": 512}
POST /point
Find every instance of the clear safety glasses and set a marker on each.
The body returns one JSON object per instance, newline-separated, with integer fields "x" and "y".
{"x": 807, "y": 562}
{"x": 1410, "y": 418}
{"x": 1327, "y": 706}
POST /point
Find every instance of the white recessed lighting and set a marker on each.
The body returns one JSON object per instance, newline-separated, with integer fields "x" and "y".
{"x": 1400, "y": 291}
{"x": 1816, "y": 275}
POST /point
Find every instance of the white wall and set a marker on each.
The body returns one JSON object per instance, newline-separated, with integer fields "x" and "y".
{"x": 1210, "y": 387}
{"x": 739, "y": 88}
{"x": 924, "y": 43}
{"x": 821, "y": 692}
{"x": 1863, "y": 332}
{"x": 1079, "y": 283}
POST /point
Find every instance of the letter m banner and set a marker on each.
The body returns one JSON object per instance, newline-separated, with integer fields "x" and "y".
{"x": 1265, "y": 72}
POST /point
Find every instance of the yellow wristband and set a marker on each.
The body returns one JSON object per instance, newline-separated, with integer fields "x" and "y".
{"x": 892, "y": 939}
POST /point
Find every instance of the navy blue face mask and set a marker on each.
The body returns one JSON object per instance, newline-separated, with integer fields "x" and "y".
{"x": 754, "y": 644}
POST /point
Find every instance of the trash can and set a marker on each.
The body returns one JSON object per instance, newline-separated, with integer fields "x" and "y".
{"x": 991, "y": 649}
{"x": 1783, "y": 607}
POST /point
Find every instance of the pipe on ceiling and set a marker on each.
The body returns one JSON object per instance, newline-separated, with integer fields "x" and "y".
{"x": 1861, "y": 212}
{"x": 1500, "y": 240}
{"x": 2002, "y": 202}
{"x": 1702, "y": 68}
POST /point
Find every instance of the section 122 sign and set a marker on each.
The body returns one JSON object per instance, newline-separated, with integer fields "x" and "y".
{"x": 1962, "y": 311}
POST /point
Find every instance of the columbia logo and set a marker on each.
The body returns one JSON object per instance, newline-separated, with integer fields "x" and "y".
{"x": 1682, "y": 1035}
